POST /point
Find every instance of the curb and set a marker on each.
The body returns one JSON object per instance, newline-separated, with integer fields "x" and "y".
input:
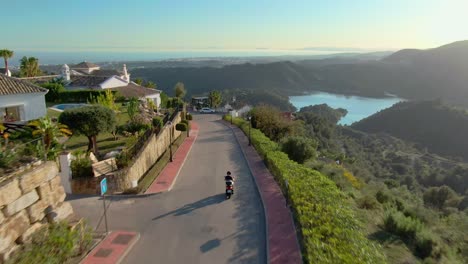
{"x": 91, "y": 256}
{"x": 232, "y": 127}
{"x": 185, "y": 157}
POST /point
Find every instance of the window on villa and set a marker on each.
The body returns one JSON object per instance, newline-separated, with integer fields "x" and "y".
{"x": 10, "y": 114}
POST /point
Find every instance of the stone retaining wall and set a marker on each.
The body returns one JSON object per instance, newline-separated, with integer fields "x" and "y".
{"x": 122, "y": 180}
{"x": 28, "y": 202}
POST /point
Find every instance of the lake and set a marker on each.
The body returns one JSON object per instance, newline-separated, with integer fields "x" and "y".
{"x": 358, "y": 107}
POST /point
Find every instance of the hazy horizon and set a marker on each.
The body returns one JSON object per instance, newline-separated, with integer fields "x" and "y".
{"x": 167, "y": 26}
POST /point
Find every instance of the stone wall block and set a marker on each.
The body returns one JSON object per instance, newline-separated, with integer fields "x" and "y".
{"x": 36, "y": 211}
{"x": 9, "y": 253}
{"x": 13, "y": 228}
{"x": 58, "y": 196}
{"x": 21, "y": 203}
{"x": 9, "y": 192}
{"x": 27, "y": 235}
{"x": 2, "y": 218}
{"x": 38, "y": 176}
{"x": 55, "y": 183}
{"x": 61, "y": 212}
{"x": 45, "y": 192}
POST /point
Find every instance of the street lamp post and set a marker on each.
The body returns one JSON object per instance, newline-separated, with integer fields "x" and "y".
{"x": 170, "y": 141}
{"x": 250, "y": 126}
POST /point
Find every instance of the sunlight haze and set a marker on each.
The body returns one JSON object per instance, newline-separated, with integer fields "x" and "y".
{"x": 146, "y": 25}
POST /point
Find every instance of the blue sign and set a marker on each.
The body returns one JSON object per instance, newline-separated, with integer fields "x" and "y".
{"x": 103, "y": 186}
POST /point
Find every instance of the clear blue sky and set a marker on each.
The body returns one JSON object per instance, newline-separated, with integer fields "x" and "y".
{"x": 152, "y": 25}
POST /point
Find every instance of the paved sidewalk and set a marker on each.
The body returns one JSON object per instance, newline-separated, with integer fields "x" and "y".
{"x": 112, "y": 249}
{"x": 282, "y": 242}
{"x": 168, "y": 175}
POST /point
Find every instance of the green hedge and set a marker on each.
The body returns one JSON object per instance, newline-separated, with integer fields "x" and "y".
{"x": 181, "y": 127}
{"x": 79, "y": 96}
{"x": 330, "y": 232}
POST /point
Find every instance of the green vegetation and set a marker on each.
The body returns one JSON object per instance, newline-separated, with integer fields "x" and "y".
{"x": 215, "y": 98}
{"x": 6, "y": 55}
{"x": 29, "y": 67}
{"x": 179, "y": 90}
{"x": 89, "y": 121}
{"x": 181, "y": 127}
{"x": 299, "y": 148}
{"x": 55, "y": 89}
{"x": 56, "y": 244}
{"x": 330, "y": 232}
{"x": 432, "y": 125}
{"x": 81, "y": 166}
{"x": 412, "y": 202}
{"x": 49, "y": 132}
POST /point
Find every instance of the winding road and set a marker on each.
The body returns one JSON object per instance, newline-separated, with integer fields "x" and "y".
{"x": 193, "y": 223}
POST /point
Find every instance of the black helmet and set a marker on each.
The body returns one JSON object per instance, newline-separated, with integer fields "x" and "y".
{"x": 228, "y": 173}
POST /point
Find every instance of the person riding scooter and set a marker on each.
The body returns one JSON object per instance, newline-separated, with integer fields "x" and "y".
{"x": 229, "y": 180}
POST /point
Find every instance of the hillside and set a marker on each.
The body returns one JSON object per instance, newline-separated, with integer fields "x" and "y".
{"x": 432, "y": 125}
{"x": 413, "y": 74}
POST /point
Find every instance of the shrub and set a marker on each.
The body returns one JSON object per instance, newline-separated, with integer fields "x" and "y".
{"x": 181, "y": 127}
{"x": 7, "y": 158}
{"x": 329, "y": 231}
{"x": 81, "y": 167}
{"x": 397, "y": 223}
{"x": 189, "y": 117}
{"x": 157, "y": 122}
{"x": 425, "y": 244}
{"x": 368, "y": 202}
{"x": 122, "y": 160}
{"x": 55, "y": 89}
{"x": 382, "y": 197}
{"x": 55, "y": 244}
{"x": 299, "y": 148}
{"x": 438, "y": 196}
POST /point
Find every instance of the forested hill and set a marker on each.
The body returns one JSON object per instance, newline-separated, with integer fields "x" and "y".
{"x": 439, "y": 128}
{"x": 414, "y": 74}
{"x": 284, "y": 77}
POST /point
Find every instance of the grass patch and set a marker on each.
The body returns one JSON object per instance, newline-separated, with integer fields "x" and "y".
{"x": 105, "y": 141}
{"x": 53, "y": 113}
{"x": 154, "y": 171}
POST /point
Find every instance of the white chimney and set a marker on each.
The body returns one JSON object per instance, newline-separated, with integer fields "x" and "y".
{"x": 65, "y": 74}
{"x": 126, "y": 75}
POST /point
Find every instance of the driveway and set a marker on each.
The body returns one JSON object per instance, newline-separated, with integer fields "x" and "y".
{"x": 193, "y": 223}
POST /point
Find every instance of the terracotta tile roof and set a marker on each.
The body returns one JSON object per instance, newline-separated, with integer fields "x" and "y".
{"x": 89, "y": 81}
{"x": 84, "y": 64}
{"x": 106, "y": 73}
{"x": 9, "y": 85}
{"x": 135, "y": 90}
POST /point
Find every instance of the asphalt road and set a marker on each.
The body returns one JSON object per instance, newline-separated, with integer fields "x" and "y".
{"x": 193, "y": 223}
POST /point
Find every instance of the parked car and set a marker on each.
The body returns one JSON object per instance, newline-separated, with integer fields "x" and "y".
{"x": 207, "y": 110}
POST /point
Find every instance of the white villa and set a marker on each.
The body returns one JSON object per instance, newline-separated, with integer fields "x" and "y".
{"x": 20, "y": 100}
{"x": 86, "y": 75}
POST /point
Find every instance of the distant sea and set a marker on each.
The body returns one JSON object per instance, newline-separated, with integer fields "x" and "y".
{"x": 60, "y": 57}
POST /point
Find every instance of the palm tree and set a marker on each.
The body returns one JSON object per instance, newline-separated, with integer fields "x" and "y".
{"x": 6, "y": 54}
{"x": 29, "y": 67}
{"x": 49, "y": 131}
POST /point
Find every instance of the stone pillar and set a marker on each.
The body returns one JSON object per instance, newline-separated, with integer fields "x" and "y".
{"x": 65, "y": 171}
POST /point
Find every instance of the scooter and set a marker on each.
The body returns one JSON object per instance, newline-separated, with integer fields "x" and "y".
{"x": 229, "y": 189}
